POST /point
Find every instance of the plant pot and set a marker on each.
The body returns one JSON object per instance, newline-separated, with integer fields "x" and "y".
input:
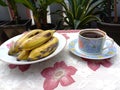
{"x": 3, "y": 36}
{"x": 2, "y": 22}
{"x": 12, "y": 29}
{"x": 44, "y": 27}
{"x": 113, "y": 30}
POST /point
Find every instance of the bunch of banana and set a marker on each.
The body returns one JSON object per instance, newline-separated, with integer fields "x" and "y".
{"x": 23, "y": 55}
{"x": 37, "y": 40}
{"x": 14, "y": 49}
{"x": 34, "y": 45}
{"x": 43, "y": 50}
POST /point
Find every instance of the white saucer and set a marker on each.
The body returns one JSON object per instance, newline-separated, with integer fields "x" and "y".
{"x": 73, "y": 47}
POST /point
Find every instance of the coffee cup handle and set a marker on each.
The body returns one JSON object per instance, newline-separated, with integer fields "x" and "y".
{"x": 109, "y": 46}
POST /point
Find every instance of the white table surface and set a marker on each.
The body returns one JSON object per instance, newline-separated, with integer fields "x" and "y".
{"x": 64, "y": 71}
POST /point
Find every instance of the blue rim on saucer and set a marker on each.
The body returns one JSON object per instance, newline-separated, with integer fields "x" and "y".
{"x": 73, "y": 47}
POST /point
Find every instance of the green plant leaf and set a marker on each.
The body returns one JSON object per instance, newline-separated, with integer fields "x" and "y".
{"x": 27, "y": 3}
{"x": 53, "y": 1}
{"x": 69, "y": 23}
{"x": 76, "y": 24}
{"x": 93, "y": 7}
{"x": 88, "y": 19}
{"x": 70, "y": 17}
{"x": 85, "y": 5}
{"x": 2, "y": 3}
{"x": 79, "y": 13}
{"x": 73, "y": 7}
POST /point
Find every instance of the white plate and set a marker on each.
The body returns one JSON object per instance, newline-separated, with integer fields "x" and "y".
{"x": 12, "y": 60}
{"x": 73, "y": 47}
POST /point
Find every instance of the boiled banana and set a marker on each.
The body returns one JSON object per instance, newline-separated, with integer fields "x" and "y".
{"x": 15, "y": 48}
{"x": 44, "y": 50}
{"x": 23, "y": 55}
{"x": 37, "y": 40}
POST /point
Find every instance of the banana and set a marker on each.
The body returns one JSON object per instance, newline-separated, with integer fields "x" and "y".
{"x": 23, "y": 55}
{"x": 12, "y": 50}
{"x": 43, "y": 50}
{"x": 27, "y": 35}
{"x": 37, "y": 40}
{"x": 15, "y": 48}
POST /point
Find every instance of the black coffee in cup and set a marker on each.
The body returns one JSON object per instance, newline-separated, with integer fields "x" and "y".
{"x": 93, "y": 34}
{"x": 92, "y": 41}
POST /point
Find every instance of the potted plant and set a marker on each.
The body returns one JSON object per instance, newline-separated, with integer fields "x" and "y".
{"x": 79, "y": 13}
{"x": 2, "y": 22}
{"x": 16, "y": 25}
{"x": 111, "y": 25}
{"x": 39, "y": 10}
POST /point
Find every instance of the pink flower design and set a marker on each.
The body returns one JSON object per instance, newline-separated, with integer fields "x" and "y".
{"x": 65, "y": 35}
{"x": 60, "y": 73}
{"x": 94, "y": 65}
{"x": 21, "y": 67}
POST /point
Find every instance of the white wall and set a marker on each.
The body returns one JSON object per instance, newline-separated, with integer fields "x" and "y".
{"x": 4, "y": 14}
{"x": 118, "y": 8}
{"x": 22, "y": 11}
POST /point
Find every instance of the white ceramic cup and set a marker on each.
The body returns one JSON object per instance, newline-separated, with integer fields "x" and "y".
{"x": 92, "y": 41}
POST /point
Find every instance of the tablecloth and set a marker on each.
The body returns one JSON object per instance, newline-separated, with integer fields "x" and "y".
{"x": 65, "y": 71}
